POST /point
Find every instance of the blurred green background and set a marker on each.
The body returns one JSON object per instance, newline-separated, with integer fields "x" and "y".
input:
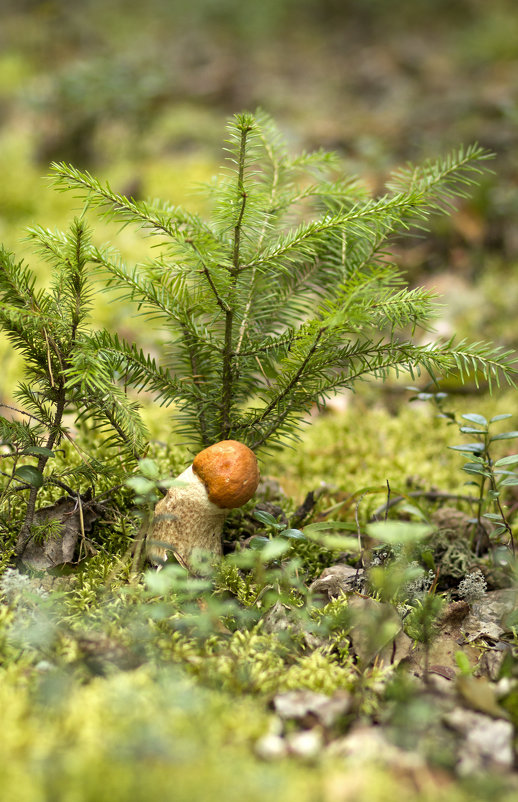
{"x": 139, "y": 94}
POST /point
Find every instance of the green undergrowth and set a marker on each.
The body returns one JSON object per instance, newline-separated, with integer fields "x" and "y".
{"x": 116, "y": 684}
{"x": 340, "y": 455}
{"x": 368, "y": 444}
{"x": 112, "y": 690}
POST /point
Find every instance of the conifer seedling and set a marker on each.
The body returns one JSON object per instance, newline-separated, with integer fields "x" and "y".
{"x": 50, "y": 329}
{"x": 287, "y": 294}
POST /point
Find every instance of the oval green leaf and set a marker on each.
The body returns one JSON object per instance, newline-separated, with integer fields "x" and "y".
{"x": 149, "y": 468}
{"x": 505, "y": 436}
{"x": 30, "y": 474}
{"x": 274, "y": 549}
{"x": 140, "y": 485}
{"x": 258, "y": 543}
{"x": 294, "y": 534}
{"x": 398, "y": 531}
{"x": 340, "y": 543}
{"x": 264, "y": 517}
{"x": 512, "y": 459}
{"x": 469, "y": 447}
{"x": 475, "y": 467}
{"x": 474, "y": 418}
{"x": 323, "y": 526}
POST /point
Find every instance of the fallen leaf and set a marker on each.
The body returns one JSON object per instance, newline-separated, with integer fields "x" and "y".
{"x": 58, "y": 548}
{"x": 443, "y": 671}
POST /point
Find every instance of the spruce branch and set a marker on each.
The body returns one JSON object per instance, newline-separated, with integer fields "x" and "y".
{"x": 159, "y": 218}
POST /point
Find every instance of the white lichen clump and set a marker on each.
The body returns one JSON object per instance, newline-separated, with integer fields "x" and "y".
{"x": 472, "y": 587}
{"x": 14, "y": 586}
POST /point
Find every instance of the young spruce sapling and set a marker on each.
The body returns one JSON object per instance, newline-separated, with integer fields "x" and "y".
{"x": 286, "y": 295}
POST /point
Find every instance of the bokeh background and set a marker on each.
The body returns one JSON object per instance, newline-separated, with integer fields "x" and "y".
{"x": 138, "y": 93}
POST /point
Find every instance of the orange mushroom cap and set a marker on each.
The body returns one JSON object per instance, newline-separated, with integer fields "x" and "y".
{"x": 229, "y": 472}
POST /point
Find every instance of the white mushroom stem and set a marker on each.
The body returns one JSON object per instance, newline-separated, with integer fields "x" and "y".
{"x": 190, "y": 518}
{"x": 186, "y": 522}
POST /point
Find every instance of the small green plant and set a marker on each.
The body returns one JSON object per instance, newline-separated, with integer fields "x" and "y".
{"x": 286, "y": 295}
{"x": 148, "y": 486}
{"x": 421, "y": 623}
{"x": 490, "y": 476}
{"x": 274, "y": 528}
{"x": 403, "y": 582}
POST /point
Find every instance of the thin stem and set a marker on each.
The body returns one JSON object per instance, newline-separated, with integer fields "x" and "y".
{"x": 262, "y": 349}
{"x": 241, "y": 190}
{"x": 228, "y": 359}
{"x": 227, "y": 377}
{"x": 219, "y": 300}
{"x": 494, "y": 488}
{"x": 25, "y": 531}
{"x": 120, "y": 431}
{"x": 359, "y": 531}
{"x": 388, "y": 500}
{"x": 429, "y": 495}
{"x": 10, "y": 479}
{"x": 282, "y": 395}
{"x": 21, "y": 412}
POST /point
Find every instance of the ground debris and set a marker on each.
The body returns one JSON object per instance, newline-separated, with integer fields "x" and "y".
{"x": 487, "y": 617}
{"x": 102, "y": 653}
{"x": 481, "y": 695}
{"x": 310, "y": 708}
{"x": 67, "y": 520}
{"x": 337, "y": 580}
{"x": 377, "y": 632}
{"x": 369, "y": 744}
{"x": 282, "y": 619}
{"x": 487, "y": 743}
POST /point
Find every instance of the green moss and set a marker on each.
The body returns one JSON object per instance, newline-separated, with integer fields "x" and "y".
{"x": 140, "y": 736}
{"x": 368, "y": 445}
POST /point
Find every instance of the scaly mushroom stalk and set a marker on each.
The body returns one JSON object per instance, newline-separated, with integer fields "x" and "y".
{"x": 189, "y": 519}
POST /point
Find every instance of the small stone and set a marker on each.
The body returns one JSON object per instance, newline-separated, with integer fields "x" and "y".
{"x": 336, "y": 580}
{"x": 271, "y": 747}
{"x": 365, "y": 745}
{"x": 487, "y": 742}
{"x": 310, "y": 706}
{"x": 488, "y": 615}
{"x": 306, "y": 744}
{"x": 44, "y": 665}
{"x": 504, "y": 686}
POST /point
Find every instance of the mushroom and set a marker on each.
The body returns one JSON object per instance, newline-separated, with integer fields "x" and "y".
{"x": 190, "y": 517}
